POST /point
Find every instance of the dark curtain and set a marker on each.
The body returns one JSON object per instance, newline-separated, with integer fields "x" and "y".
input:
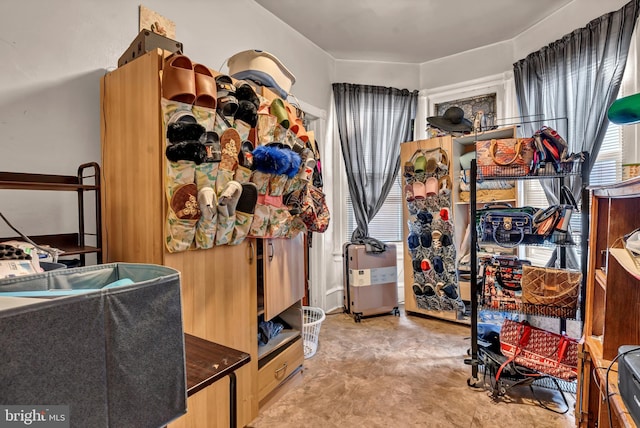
{"x": 372, "y": 122}
{"x": 576, "y": 77}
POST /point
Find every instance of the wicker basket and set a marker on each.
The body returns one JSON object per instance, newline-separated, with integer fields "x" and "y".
{"x": 550, "y": 286}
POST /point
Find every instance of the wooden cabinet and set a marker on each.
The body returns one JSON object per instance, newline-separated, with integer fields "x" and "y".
{"x": 283, "y": 280}
{"x": 218, "y": 284}
{"x": 280, "y": 293}
{"x": 221, "y": 286}
{"x": 612, "y": 315}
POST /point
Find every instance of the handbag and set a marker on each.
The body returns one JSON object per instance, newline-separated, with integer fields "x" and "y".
{"x": 551, "y": 153}
{"x": 314, "y": 211}
{"x": 501, "y": 282}
{"x": 555, "y": 218}
{"x": 550, "y": 286}
{"x": 537, "y": 349}
{"x": 510, "y": 157}
{"x": 507, "y": 227}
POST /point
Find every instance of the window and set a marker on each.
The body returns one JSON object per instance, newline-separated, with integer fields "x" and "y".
{"x": 607, "y": 169}
{"x": 387, "y": 224}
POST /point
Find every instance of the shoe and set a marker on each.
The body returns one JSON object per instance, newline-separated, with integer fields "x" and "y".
{"x": 420, "y": 164}
{"x": 413, "y": 241}
{"x": 247, "y": 113}
{"x": 428, "y": 290}
{"x": 408, "y": 193}
{"x": 187, "y": 150}
{"x": 212, "y": 144}
{"x": 206, "y": 90}
{"x": 435, "y": 236}
{"x": 207, "y": 203}
{"x": 178, "y": 79}
{"x": 228, "y": 200}
{"x": 245, "y": 92}
{"x": 425, "y": 240}
{"x": 425, "y": 217}
{"x": 438, "y": 265}
{"x": 278, "y": 110}
{"x": 408, "y": 170}
{"x": 184, "y": 202}
{"x": 419, "y": 191}
{"x": 230, "y": 144}
{"x": 431, "y": 186}
{"x": 226, "y": 93}
{"x": 180, "y": 131}
{"x": 417, "y": 290}
{"x": 450, "y": 291}
{"x": 248, "y": 199}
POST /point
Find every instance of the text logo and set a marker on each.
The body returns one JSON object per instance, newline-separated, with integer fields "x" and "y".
{"x": 37, "y": 416}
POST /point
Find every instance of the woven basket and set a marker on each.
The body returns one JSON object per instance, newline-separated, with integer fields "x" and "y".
{"x": 551, "y": 287}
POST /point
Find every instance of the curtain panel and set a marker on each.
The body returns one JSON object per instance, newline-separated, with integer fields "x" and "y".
{"x": 570, "y": 84}
{"x": 372, "y": 122}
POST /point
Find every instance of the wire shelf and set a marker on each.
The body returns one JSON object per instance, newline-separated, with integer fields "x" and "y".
{"x": 519, "y": 172}
{"x": 531, "y": 309}
{"x": 556, "y": 239}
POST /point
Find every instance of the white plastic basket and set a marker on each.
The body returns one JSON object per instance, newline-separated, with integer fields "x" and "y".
{"x": 312, "y": 321}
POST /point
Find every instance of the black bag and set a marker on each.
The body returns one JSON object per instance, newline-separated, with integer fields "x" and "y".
{"x": 507, "y": 227}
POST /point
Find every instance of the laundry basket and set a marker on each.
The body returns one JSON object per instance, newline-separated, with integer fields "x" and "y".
{"x": 311, "y": 324}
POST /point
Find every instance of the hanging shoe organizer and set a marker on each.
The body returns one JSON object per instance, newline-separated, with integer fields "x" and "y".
{"x": 430, "y": 239}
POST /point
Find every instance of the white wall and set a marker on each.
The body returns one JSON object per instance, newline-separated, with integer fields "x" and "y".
{"x": 395, "y": 75}
{"x": 54, "y": 53}
{"x": 499, "y": 57}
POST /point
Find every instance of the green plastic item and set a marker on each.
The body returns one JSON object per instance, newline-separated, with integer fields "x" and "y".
{"x": 625, "y": 111}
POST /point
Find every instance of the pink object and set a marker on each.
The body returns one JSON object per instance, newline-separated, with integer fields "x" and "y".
{"x": 431, "y": 186}
{"x": 419, "y": 191}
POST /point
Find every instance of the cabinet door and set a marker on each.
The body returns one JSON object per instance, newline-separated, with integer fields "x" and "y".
{"x": 283, "y": 277}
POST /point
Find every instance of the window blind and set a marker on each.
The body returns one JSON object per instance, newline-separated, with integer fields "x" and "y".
{"x": 386, "y": 226}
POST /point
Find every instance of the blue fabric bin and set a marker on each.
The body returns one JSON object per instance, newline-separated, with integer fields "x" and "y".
{"x": 115, "y": 355}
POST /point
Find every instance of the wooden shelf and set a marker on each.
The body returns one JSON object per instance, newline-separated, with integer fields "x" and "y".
{"x": 67, "y": 242}
{"x": 26, "y": 181}
{"x": 601, "y": 279}
{"x": 480, "y": 201}
{"x": 612, "y": 314}
{"x": 277, "y": 342}
{"x": 626, "y": 261}
{"x": 619, "y": 410}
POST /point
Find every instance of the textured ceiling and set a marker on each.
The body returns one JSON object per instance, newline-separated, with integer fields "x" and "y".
{"x": 411, "y": 31}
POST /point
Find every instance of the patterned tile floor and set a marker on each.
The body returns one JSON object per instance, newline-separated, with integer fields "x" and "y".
{"x": 405, "y": 371}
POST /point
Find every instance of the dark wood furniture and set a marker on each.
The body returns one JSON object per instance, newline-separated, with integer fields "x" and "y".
{"x": 208, "y": 362}
{"x": 612, "y": 315}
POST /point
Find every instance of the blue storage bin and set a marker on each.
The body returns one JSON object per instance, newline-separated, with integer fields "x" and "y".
{"x": 115, "y": 355}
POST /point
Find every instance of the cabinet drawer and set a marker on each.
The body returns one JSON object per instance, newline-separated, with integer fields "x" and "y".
{"x": 279, "y": 368}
